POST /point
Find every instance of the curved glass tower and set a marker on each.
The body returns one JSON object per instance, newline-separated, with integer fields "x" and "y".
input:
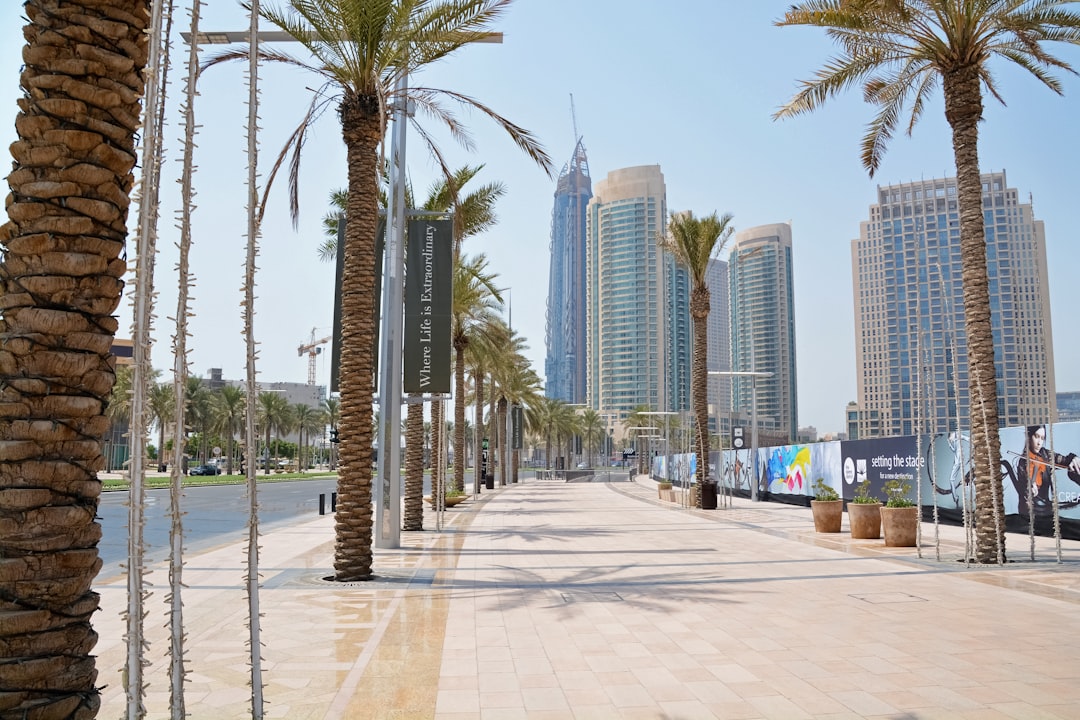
{"x": 564, "y": 366}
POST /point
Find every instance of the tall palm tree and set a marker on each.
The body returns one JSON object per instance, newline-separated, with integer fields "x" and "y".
{"x": 541, "y": 420}
{"x": 694, "y": 242}
{"x": 592, "y": 432}
{"x": 331, "y": 408}
{"x": 361, "y": 49}
{"x": 161, "y": 403}
{"x": 62, "y": 262}
{"x": 229, "y": 406}
{"x": 306, "y": 420}
{"x": 413, "y": 517}
{"x": 275, "y": 416}
{"x": 901, "y": 51}
{"x": 476, "y": 304}
{"x": 521, "y": 386}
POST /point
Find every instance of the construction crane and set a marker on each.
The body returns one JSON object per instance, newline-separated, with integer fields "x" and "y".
{"x": 312, "y": 349}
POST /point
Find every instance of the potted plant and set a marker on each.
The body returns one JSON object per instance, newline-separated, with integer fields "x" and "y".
{"x": 664, "y": 492}
{"x": 827, "y": 507}
{"x": 900, "y": 516}
{"x": 452, "y": 497}
{"x": 864, "y": 516}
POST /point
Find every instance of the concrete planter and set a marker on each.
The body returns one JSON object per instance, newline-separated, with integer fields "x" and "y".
{"x": 828, "y": 515}
{"x": 900, "y": 526}
{"x": 864, "y": 519}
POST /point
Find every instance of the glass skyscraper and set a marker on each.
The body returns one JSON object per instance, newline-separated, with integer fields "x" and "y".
{"x": 638, "y": 299}
{"x": 564, "y": 365}
{"x": 763, "y": 329}
{"x": 910, "y": 343}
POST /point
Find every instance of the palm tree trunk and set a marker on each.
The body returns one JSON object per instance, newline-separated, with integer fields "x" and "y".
{"x": 63, "y": 261}
{"x": 414, "y": 467}
{"x": 963, "y": 110}
{"x": 460, "y": 453}
{"x": 438, "y": 441}
{"x": 699, "y": 312}
{"x": 478, "y": 429}
{"x": 362, "y": 133}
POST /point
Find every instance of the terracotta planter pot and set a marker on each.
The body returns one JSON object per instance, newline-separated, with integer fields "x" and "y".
{"x": 900, "y": 526}
{"x": 827, "y": 515}
{"x": 864, "y": 520}
{"x": 450, "y": 501}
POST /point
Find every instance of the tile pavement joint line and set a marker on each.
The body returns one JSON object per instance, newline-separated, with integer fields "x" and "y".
{"x": 887, "y": 597}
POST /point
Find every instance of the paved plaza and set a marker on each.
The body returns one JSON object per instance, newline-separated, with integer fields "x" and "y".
{"x": 596, "y": 600}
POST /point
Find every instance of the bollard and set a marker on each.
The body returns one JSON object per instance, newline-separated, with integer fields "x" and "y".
{"x": 322, "y": 503}
{"x": 333, "y": 502}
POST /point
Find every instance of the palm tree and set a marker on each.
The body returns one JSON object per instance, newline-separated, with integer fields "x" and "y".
{"x": 413, "y": 518}
{"x": 541, "y": 420}
{"x": 694, "y": 242}
{"x": 361, "y": 49}
{"x": 476, "y": 303}
{"x": 63, "y": 257}
{"x": 229, "y": 406}
{"x": 331, "y": 408}
{"x": 901, "y": 51}
{"x": 306, "y": 420}
{"x": 275, "y": 416}
{"x": 161, "y": 404}
{"x": 592, "y": 431}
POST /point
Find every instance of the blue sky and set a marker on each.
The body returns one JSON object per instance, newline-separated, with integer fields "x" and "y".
{"x": 691, "y": 88}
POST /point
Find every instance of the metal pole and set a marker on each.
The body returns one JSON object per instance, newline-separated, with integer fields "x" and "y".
{"x": 753, "y": 429}
{"x": 388, "y": 489}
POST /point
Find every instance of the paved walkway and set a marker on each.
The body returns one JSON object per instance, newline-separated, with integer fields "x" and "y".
{"x": 596, "y": 600}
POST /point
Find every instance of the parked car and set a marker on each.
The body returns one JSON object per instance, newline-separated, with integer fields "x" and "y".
{"x": 204, "y": 470}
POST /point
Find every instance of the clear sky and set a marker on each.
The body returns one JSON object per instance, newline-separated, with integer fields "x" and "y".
{"x": 689, "y": 85}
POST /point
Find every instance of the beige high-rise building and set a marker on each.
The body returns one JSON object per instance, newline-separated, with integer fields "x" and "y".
{"x": 638, "y": 299}
{"x": 910, "y": 344}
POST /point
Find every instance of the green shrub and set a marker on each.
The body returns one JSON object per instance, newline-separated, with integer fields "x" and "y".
{"x": 897, "y": 492}
{"x": 824, "y": 492}
{"x": 862, "y": 494}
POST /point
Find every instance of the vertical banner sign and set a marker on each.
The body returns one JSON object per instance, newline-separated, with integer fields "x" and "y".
{"x": 516, "y": 418}
{"x": 429, "y": 276}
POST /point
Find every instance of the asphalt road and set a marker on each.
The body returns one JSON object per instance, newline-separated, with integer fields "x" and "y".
{"x": 213, "y": 514}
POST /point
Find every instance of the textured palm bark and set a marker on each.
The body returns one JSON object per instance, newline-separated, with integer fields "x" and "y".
{"x": 699, "y": 313}
{"x": 478, "y": 428}
{"x": 61, "y": 278}
{"x": 460, "y": 454}
{"x": 438, "y": 440}
{"x": 414, "y": 467}
{"x": 362, "y": 132}
{"x": 963, "y": 110}
{"x": 503, "y": 441}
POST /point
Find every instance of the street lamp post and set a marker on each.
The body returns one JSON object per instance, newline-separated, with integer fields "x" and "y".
{"x": 667, "y": 437}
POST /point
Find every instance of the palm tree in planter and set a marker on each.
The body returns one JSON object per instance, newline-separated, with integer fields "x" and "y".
{"x": 361, "y": 49}
{"x": 902, "y": 51}
{"x": 695, "y": 242}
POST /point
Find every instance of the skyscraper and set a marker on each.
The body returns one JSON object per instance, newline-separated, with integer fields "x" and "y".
{"x": 716, "y": 278}
{"x": 638, "y": 299}
{"x": 763, "y": 329}
{"x": 910, "y": 345}
{"x": 564, "y": 365}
